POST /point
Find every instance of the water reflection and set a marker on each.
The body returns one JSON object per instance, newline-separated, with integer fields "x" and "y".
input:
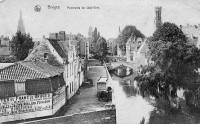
{"x": 132, "y": 108}
{"x": 122, "y": 71}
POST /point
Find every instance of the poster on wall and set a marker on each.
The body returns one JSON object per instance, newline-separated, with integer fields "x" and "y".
{"x": 25, "y": 104}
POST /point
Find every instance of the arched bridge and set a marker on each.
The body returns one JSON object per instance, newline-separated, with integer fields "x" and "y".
{"x": 132, "y": 65}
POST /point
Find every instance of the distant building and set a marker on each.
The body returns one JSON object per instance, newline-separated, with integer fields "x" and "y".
{"x": 193, "y": 34}
{"x": 119, "y": 51}
{"x": 5, "y": 49}
{"x": 131, "y": 48}
{"x": 158, "y": 19}
{"x": 4, "y": 41}
{"x": 20, "y": 26}
{"x": 53, "y": 36}
{"x": 142, "y": 57}
{"x": 132, "y": 45}
{"x": 112, "y": 46}
{"x": 82, "y": 45}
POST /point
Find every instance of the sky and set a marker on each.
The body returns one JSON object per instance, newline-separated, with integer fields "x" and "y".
{"x": 111, "y": 15}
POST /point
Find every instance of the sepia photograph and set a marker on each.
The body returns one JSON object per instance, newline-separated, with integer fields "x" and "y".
{"x": 100, "y": 61}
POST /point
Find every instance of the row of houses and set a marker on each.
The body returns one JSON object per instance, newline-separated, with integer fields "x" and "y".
{"x": 137, "y": 48}
{"x": 42, "y": 83}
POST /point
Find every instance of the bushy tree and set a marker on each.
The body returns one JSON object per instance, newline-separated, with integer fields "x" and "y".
{"x": 20, "y": 45}
{"x": 126, "y": 34}
{"x": 101, "y": 50}
{"x": 175, "y": 63}
{"x": 95, "y": 38}
{"x": 7, "y": 59}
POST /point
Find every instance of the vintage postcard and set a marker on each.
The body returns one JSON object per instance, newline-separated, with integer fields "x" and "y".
{"x": 100, "y": 61}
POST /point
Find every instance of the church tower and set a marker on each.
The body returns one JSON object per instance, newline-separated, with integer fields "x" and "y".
{"x": 158, "y": 20}
{"x": 90, "y": 32}
{"x": 20, "y": 26}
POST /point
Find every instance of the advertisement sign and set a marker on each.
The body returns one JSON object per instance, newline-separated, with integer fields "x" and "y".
{"x": 25, "y": 104}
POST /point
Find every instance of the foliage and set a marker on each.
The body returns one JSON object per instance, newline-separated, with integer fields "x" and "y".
{"x": 126, "y": 33}
{"x": 7, "y": 59}
{"x": 175, "y": 63}
{"x": 98, "y": 46}
{"x": 101, "y": 49}
{"x": 95, "y": 38}
{"x": 20, "y": 45}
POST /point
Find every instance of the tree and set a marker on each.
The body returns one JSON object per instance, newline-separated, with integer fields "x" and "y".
{"x": 175, "y": 63}
{"x": 7, "y": 59}
{"x": 95, "y": 37}
{"x": 126, "y": 33}
{"x": 101, "y": 49}
{"x": 20, "y": 45}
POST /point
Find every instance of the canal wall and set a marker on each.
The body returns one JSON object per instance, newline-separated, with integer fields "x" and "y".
{"x": 110, "y": 80}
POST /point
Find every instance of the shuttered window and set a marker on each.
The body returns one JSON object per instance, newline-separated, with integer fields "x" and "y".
{"x": 7, "y": 89}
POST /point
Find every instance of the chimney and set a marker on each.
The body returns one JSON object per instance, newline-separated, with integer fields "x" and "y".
{"x": 181, "y": 27}
{"x": 46, "y": 56}
{"x": 62, "y": 36}
{"x": 44, "y": 37}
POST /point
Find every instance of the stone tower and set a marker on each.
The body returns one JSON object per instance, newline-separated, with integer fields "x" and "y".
{"x": 90, "y": 32}
{"x": 158, "y": 20}
{"x": 20, "y": 26}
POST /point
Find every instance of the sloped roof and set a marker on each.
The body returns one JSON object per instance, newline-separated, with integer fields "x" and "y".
{"x": 144, "y": 46}
{"x": 58, "y": 48}
{"x": 65, "y": 46}
{"x": 131, "y": 39}
{"x": 38, "y": 53}
{"x": 132, "y": 43}
{"x": 21, "y": 71}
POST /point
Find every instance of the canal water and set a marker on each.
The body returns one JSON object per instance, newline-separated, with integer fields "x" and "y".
{"x": 132, "y": 108}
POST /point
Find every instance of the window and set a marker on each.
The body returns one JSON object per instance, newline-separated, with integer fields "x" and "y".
{"x": 70, "y": 87}
{"x": 67, "y": 71}
{"x": 70, "y": 69}
{"x": 20, "y": 88}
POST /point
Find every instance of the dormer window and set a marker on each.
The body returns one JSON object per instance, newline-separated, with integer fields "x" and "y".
{"x": 64, "y": 61}
{"x": 46, "y": 56}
